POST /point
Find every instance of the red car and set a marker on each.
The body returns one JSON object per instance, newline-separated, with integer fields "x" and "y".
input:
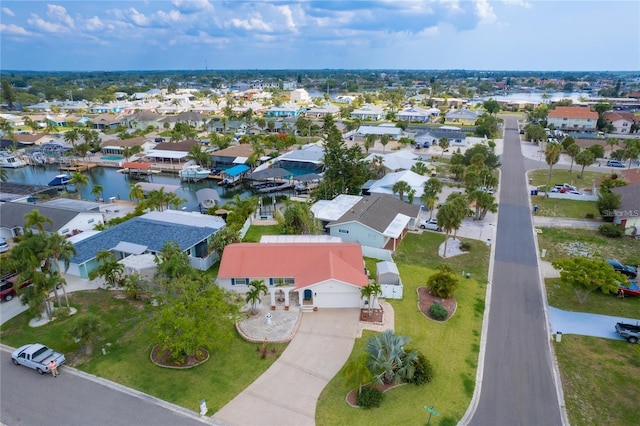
{"x": 7, "y": 291}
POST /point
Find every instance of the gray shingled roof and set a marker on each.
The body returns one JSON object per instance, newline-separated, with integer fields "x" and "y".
{"x": 377, "y": 211}
{"x": 12, "y": 215}
{"x": 150, "y": 233}
{"x": 629, "y": 198}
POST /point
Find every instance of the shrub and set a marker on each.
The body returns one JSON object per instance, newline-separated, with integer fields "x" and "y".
{"x": 437, "y": 311}
{"x": 370, "y": 397}
{"x": 611, "y": 230}
{"x": 423, "y": 371}
{"x": 465, "y": 246}
{"x": 589, "y": 216}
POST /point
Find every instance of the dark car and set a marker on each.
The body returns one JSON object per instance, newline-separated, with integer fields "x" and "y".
{"x": 159, "y": 140}
{"x": 628, "y": 270}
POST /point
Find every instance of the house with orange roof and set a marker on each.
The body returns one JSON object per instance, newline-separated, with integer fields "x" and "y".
{"x": 572, "y": 118}
{"x": 622, "y": 122}
{"x": 313, "y": 274}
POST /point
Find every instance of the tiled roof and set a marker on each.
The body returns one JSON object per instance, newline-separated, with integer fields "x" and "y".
{"x": 377, "y": 211}
{"x": 572, "y": 112}
{"x": 153, "y": 234}
{"x": 307, "y": 263}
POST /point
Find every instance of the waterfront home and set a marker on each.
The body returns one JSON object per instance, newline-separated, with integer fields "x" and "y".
{"x": 68, "y": 217}
{"x": 572, "y": 118}
{"x": 306, "y": 159}
{"x": 238, "y": 154}
{"x": 398, "y": 161}
{"x": 149, "y": 233}
{"x": 171, "y": 152}
{"x": 378, "y": 220}
{"x": 117, "y": 146}
{"x": 313, "y": 274}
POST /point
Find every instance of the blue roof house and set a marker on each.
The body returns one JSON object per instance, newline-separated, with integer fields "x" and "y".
{"x": 148, "y": 234}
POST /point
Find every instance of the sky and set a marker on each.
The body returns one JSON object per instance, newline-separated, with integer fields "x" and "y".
{"x": 117, "y": 35}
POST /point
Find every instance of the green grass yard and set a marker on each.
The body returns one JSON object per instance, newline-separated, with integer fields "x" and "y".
{"x": 452, "y": 346}
{"x": 560, "y": 176}
{"x": 573, "y": 209}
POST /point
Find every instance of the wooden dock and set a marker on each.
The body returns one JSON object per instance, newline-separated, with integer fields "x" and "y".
{"x": 77, "y": 167}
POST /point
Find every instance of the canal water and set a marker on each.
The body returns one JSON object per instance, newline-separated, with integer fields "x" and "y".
{"x": 117, "y": 184}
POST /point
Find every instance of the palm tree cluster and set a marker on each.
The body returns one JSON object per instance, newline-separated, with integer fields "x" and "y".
{"x": 156, "y": 199}
{"x": 40, "y": 257}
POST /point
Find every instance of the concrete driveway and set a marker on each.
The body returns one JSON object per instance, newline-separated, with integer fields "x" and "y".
{"x": 287, "y": 393}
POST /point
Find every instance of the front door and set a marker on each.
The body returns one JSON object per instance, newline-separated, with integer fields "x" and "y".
{"x": 308, "y": 295}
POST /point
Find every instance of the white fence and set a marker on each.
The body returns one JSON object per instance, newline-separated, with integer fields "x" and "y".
{"x": 566, "y": 196}
{"x": 377, "y": 253}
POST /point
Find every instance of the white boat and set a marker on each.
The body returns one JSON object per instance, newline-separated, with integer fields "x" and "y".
{"x": 193, "y": 172}
{"x": 10, "y": 161}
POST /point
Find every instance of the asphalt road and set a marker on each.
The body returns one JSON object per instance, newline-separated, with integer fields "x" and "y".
{"x": 518, "y": 387}
{"x": 27, "y": 398}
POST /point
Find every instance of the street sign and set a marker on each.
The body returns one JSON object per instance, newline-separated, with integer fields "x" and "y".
{"x": 431, "y": 410}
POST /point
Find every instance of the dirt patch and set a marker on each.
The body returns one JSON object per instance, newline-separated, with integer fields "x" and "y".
{"x": 376, "y": 315}
{"x": 426, "y": 299}
{"x": 163, "y": 358}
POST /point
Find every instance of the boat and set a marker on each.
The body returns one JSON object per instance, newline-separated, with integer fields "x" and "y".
{"x": 10, "y": 161}
{"x": 60, "y": 180}
{"x": 192, "y": 172}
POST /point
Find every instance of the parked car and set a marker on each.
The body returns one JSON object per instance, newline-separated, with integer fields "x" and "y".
{"x": 615, "y": 163}
{"x": 628, "y": 270}
{"x": 430, "y": 224}
{"x": 7, "y": 286}
{"x": 4, "y": 245}
{"x": 631, "y": 332}
{"x": 37, "y": 357}
{"x": 159, "y": 140}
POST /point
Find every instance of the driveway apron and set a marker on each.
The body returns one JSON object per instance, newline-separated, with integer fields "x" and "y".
{"x": 287, "y": 393}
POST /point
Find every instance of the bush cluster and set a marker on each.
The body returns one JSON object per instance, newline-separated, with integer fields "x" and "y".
{"x": 423, "y": 371}
{"x": 465, "y": 246}
{"x": 611, "y": 230}
{"x": 437, "y": 311}
{"x": 369, "y": 397}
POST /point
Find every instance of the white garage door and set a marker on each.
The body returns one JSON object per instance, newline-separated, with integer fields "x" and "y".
{"x": 338, "y": 300}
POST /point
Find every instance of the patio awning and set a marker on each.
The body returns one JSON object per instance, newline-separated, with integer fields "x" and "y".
{"x": 240, "y": 160}
{"x": 208, "y": 197}
{"x": 129, "y": 248}
{"x": 275, "y": 172}
{"x": 236, "y": 170}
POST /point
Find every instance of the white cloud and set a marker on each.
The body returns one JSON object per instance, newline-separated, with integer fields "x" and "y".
{"x": 188, "y": 6}
{"x": 8, "y": 11}
{"x": 50, "y": 27}
{"x": 485, "y": 12}
{"x": 521, "y": 3}
{"x": 429, "y": 31}
{"x": 59, "y": 14}
{"x": 288, "y": 15}
{"x": 94, "y": 23}
{"x": 12, "y": 29}
{"x": 138, "y": 18}
{"x": 251, "y": 24}
{"x": 170, "y": 17}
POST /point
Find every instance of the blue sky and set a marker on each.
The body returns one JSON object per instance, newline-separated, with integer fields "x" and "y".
{"x": 386, "y": 34}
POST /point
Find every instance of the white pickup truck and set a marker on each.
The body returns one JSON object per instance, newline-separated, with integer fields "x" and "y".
{"x": 37, "y": 356}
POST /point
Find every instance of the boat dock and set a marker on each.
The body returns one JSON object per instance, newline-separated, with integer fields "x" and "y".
{"x": 137, "y": 170}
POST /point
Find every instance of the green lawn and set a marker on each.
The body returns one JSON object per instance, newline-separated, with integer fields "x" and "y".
{"x": 563, "y": 242}
{"x": 601, "y": 379}
{"x": 127, "y": 362}
{"x": 255, "y": 232}
{"x": 452, "y": 347}
{"x": 574, "y": 209}
{"x": 539, "y": 177}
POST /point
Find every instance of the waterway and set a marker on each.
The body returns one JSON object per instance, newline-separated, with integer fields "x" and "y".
{"x": 118, "y": 185}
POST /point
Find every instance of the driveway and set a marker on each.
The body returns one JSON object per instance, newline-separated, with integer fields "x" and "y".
{"x": 567, "y": 322}
{"x": 287, "y": 393}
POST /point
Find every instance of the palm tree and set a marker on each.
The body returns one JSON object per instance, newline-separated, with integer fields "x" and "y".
{"x": 431, "y": 189}
{"x": 612, "y": 142}
{"x": 356, "y": 372}
{"x": 552, "y": 155}
{"x": 400, "y": 187}
{"x": 256, "y": 289}
{"x": 98, "y": 191}
{"x": 384, "y": 140}
{"x": 371, "y": 291}
{"x": 443, "y": 143}
{"x": 60, "y": 249}
{"x": 369, "y": 141}
{"x": 449, "y": 219}
{"x": 109, "y": 268}
{"x": 420, "y": 168}
{"x": 572, "y": 151}
{"x": 87, "y": 331}
{"x": 584, "y": 158}
{"x": 72, "y": 136}
{"x": 35, "y": 218}
{"x": 136, "y": 192}
{"x": 79, "y": 180}
{"x": 388, "y": 360}
{"x": 199, "y": 156}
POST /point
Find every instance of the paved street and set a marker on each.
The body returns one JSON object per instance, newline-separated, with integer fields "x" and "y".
{"x": 517, "y": 386}
{"x": 75, "y": 398}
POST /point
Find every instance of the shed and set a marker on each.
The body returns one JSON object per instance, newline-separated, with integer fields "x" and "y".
{"x": 388, "y": 277}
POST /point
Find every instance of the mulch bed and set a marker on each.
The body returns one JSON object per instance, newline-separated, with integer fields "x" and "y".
{"x": 376, "y": 315}
{"x": 426, "y": 299}
{"x": 163, "y": 359}
{"x": 352, "y": 397}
